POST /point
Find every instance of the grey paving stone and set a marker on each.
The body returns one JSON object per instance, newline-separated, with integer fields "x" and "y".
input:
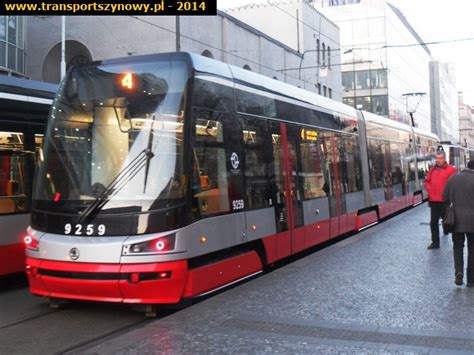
{"x": 379, "y": 292}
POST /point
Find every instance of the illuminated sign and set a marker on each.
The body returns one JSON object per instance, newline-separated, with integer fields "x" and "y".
{"x": 127, "y": 80}
{"x": 308, "y": 135}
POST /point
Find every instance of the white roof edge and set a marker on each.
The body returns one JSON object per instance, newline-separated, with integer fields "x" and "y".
{"x": 426, "y": 133}
{"x": 372, "y": 117}
{"x": 305, "y": 95}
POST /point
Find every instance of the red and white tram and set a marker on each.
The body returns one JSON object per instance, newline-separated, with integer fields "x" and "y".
{"x": 168, "y": 176}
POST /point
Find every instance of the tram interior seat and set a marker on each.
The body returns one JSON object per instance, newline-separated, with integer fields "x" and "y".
{"x": 7, "y": 202}
{"x": 7, "y": 205}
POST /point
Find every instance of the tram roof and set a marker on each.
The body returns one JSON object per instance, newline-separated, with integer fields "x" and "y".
{"x": 372, "y": 117}
{"x": 257, "y": 81}
{"x": 249, "y": 78}
{"x": 20, "y": 89}
{"x": 426, "y": 134}
{"x": 265, "y": 83}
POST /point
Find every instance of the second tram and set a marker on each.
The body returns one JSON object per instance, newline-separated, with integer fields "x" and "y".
{"x": 168, "y": 176}
{"x": 456, "y": 155}
{"x": 23, "y": 115}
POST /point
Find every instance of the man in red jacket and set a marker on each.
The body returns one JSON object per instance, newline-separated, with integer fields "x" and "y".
{"x": 435, "y": 183}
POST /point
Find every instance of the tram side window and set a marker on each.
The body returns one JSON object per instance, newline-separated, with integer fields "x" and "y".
{"x": 251, "y": 103}
{"x": 397, "y": 172}
{"x": 296, "y": 178}
{"x": 15, "y": 183}
{"x": 313, "y": 170}
{"x": 213, "y": 96}
{"x": 376, "y": 163}
{"x": 216, "y": 166}
{"x": 350, "y": 164}
{"x": 409, "y": 159}
{"x": 276, "y": 171}
{"x": 329, "y": 154}
{"x": 257, "y": 188}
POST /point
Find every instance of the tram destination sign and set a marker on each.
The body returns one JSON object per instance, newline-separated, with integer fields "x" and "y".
{"x": 102, "y": 7}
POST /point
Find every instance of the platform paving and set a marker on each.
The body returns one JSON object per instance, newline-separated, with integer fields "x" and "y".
{"x": 379, "y": 292}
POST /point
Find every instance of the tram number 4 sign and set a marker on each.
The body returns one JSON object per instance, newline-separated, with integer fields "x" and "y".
{"x": 79, "y": 229}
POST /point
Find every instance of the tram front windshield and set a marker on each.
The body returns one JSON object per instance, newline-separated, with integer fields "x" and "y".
{"x": 115, "y": 140}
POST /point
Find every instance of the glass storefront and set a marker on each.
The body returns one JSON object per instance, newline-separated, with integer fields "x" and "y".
{"x": 12, "y": 42}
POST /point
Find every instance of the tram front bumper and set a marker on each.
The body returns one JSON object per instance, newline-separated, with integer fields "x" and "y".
{"x": 150, "y": 283}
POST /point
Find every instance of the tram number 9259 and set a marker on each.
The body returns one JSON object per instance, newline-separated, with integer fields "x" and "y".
{"x": 79, "y": 229}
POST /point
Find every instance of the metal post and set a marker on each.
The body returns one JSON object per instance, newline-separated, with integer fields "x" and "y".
{"x": 301, "y": 63}
{"x": 63, "y": 46}
{"x": 178, "y": 35}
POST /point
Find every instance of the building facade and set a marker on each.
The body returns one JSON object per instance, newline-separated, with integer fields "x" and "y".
{"x": 222, "y": 37}
{"x": 466, "y": 123}
{"x": 380, "y": 64}
{"x": 306, "y": 30}
{"x": 444, "y": 101}
{"x": 12, "y": 45}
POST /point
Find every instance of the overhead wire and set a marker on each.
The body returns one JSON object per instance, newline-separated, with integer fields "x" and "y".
{"x": 225, "y": 51}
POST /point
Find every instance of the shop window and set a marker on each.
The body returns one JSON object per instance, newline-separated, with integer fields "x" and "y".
{"x": 380, "y": 105}
{"x": 318, "y": 50}
{"x": 364, "y": 103}
{"x": 329, "y": 57}
{"x": 362, "y": 80}
{"x": 348, "y": 80}
{"x": 349, "y": 101}
{"x": 378, "y": 79}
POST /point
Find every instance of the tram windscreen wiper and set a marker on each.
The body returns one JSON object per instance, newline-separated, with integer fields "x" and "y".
{"x": 121, "y": 180}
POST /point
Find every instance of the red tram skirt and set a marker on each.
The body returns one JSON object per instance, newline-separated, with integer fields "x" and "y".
{"x": 150, "y": 283}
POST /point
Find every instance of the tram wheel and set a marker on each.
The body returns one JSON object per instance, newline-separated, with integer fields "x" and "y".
{"x": 56, "y": 303}
{"x": 151, "y": 311}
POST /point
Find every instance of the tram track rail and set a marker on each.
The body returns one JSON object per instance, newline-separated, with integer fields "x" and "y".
{"x": 27, "y": 318}
{"x": 72, "y": 328}
{"x": 77, "y": 348}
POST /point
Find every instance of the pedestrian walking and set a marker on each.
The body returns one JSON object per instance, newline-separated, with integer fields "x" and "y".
{"x": 435, "y": 183}
{"x": 460, "y": 192}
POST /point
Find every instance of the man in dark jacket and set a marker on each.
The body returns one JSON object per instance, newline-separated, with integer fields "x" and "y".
{"x": 460, "y": 191}
{"x": 435, "y": 183}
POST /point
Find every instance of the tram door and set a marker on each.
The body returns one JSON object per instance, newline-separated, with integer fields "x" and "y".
{"x": 385, "y": 209}
{"x": 282, "y": 203}
{"x": 332, "y": 156}
{"x": 288, "y": 204}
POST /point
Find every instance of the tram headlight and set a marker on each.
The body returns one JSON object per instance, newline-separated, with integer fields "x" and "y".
{"x": 158, "y": 245}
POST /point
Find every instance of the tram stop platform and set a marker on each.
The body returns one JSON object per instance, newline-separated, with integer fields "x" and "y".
{"x": 378, "y": 292}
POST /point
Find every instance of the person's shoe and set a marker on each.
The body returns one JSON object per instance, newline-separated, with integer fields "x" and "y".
{"x": 470, "y": 284}
{"x": 458, "y": 279}
{"x": 433, "y": 246}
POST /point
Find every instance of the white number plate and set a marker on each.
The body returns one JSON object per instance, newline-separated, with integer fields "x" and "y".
{"x": 79, "y": 229}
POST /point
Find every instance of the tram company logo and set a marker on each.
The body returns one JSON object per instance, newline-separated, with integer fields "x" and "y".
{"x": 74, "y": 254}
{"x": 234, "y": 160}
